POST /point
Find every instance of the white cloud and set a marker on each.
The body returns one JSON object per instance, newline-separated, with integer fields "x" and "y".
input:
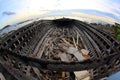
{"x": 105, "y": 6}
{"x": 94, "y": 17}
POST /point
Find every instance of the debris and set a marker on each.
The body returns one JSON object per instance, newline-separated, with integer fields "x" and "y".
{"x": 85, "y": 53}
{"x": 63, "y": 74}
{"x": 66, "y": 42}
{"x": 2, "y": 77}
{"x": 65, "y": 47}
{"x": 74, "y": 42}
{"x": 76, "y": 53}
{"x": 77, "y": 38}
{"x": 63, "y": 57}
{"x": 82, "y": 75}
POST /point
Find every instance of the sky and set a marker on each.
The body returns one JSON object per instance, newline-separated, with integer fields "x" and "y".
{"x": 12, "y": 11}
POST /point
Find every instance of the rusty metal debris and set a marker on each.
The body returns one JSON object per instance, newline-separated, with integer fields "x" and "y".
{"x": 55, "y": 50}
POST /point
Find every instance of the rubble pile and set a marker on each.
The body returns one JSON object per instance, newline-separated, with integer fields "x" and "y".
{"x": 64, "y": 48}
{"x": 63, "y": 45}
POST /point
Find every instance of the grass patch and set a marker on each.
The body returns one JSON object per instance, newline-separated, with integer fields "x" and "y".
{"x": 117, "y": 31}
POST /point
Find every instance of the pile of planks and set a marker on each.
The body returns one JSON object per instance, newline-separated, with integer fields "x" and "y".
{"x": 66, "y": 50}
{"x": 63, "y": 45}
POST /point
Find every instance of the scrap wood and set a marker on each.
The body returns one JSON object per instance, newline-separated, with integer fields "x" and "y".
{"x": 77, "y": 38}
{"x": 81, "y": 75}
{"x": 62, "y": 48}
{"x": 76, "y": 53}
{"x": 85, "y": 53}
{"x": 37, "y": 72}
{"x": 86, "y": 56}
{"x": 74, "y": 42}
{"x": 63, "y": 74}
{"x": 2, "y": 76}
{"x": 65, "y": 41}
{"x": 63, "y": 57}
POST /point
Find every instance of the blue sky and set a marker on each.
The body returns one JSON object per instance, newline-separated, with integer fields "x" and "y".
{"x": 12, "y": 11}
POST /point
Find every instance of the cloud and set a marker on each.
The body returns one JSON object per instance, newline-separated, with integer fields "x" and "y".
{"x": 95, "y": 17}
{"x": 8, "y": 13}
